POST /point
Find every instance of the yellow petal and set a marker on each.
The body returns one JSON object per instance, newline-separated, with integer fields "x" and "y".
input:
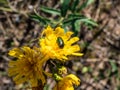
{"x": 16, "y": 52}
{"x": 59, "y": 31}
{"x": 77, "y": 54}
{"x": 47, "y": 31}
{"x": 73, "y": 40}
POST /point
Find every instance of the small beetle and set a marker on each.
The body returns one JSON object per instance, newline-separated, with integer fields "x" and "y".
{"x": 60, "y": 42}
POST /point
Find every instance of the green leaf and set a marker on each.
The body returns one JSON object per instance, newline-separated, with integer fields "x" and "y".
{"x": 40, "y": 19}
{"x": 77, "y": 25}
{"x": 75, "y": 21}
{"x": 74, "y": 5}
{"x": 65, "y": 28}
{"x": 73, "y": 28}
{"x": 79, "y": 18}
{"x": 85, "y": 4}
{"x": 72, "y": 18}
{"x": 88, "y": 21}
{"x": 64, "y": 7}
{"x": 76, "y": 16}
{"x": 46, "y": 87}
{"x": 114, "y": 66}
{"x": 50, "y": 10}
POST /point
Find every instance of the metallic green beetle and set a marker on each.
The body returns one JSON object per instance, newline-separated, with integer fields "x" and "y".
{"x": 60, "y": 42}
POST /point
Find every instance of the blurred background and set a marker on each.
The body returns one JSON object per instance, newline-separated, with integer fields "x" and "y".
{"x": 98, "y": 69}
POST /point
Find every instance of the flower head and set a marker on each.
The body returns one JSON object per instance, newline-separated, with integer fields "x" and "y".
{"x": 58, "y": 45}
{"x": 28, "y": 66}
{"x": 67, "y": 82}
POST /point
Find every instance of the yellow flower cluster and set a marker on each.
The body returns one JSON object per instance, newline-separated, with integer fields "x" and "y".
{"x": 55, "y": 44}
{"x": 67, "y": 82}
{"x": 50, "y": 44}
{"x": 28, "y": 65}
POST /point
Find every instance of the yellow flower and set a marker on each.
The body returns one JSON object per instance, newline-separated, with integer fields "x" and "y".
{"x": 57, "y": 44}
{"x": 28, "y": 66}
{"x": 67, "y": 83}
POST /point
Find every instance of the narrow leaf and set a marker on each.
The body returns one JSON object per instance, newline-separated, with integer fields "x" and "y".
{"x": 74, "y": 5}
{"x": 64, "y": 7}
{"x": 50, "y": 10}
{"x": 40, "y": 19}
{"x": 88, "y": 21}
{"x": 85, "y": 4}
{"x": 77, "y": 25}
{"x": 69, "y": 20}
{"x": 114, "y": 66}
{"x": 77, "y": 19}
